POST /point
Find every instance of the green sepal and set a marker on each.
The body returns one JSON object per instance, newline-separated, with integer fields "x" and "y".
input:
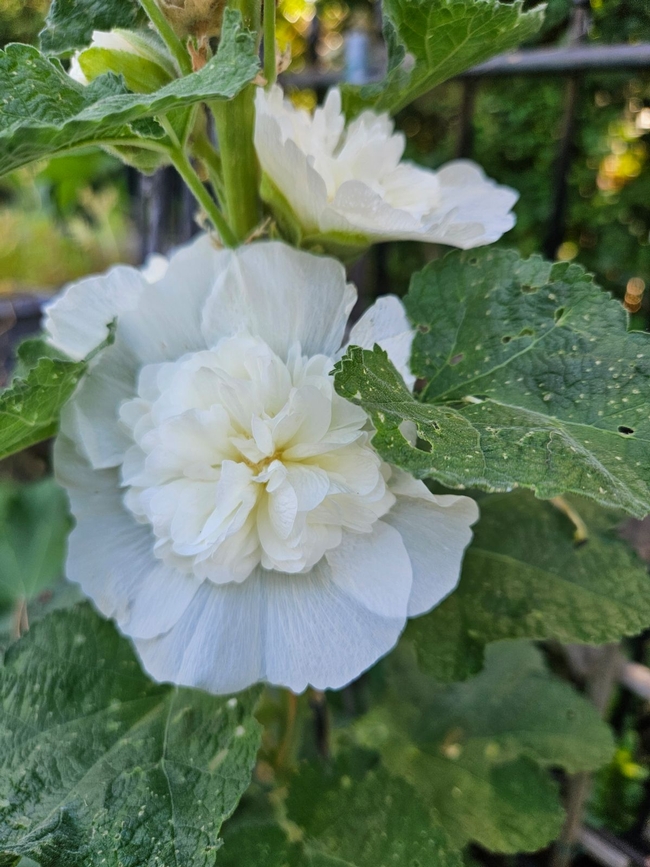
{"x": 344, "y": 246}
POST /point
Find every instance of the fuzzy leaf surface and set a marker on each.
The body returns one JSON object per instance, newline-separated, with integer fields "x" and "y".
{"x": 100, "y": 766}
{"x": 70, "y": 23}
{"x": 364, "y": 817}
{"x": 45, "y": 112}
{"x": 34, "y": 525}
{"x": 524, "y": 577}
{"x": 477, "y": 751}
{"x": 533, "y": 381}
{"x": 31, "y": 404}
{"x": 444, "y": 38}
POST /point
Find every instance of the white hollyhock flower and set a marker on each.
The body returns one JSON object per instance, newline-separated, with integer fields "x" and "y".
{"x": 231, "y": 513}
{"x": 335, "y": 184}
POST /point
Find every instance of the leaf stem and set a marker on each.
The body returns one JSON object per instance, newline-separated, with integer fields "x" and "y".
{"x": 270, "y": 62}
{"x": 166, "y": 31}
{"x": 203, "y": 197}
{"x": 202, "y": 148}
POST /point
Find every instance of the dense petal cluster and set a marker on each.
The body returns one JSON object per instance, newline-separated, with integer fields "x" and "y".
{"x": 231, "y": 513}
{"x": 349, "y": 181}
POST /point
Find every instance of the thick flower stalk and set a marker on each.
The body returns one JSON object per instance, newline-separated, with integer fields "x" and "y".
{"x": 231, "y": 512}
{"x": 337, "y": 185}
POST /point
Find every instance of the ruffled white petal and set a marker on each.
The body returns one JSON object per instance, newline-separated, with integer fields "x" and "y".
{"x": 340, "y": 180}
{"x": 167, "y": 321}
{"x": 386, "y": 323}
{"x": 77, "y": 320}
{"x": 436, "y": 530}
{"x": 282, "y": 295}
{"x": 317, "y": 629}
{"x": 473, "y": 210}
{"x": 111, "y": 556}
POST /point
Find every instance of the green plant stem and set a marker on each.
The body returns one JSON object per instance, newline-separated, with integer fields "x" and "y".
{"x": 202, "y": 148}
{"x": 270, "y": 63}
{"x": 203, "y": 197}
{"x": 235, "y": 123}
{"x": 251, "y": 13}
{"x": 166, "y": 31}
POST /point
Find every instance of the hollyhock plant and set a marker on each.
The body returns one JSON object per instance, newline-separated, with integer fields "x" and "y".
{"x": 245, "y": 466}
{"x": 231, "y": 512}
{"x": 334, "y": 184}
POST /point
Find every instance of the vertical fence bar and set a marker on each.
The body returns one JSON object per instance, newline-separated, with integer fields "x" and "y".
{"x": 555, "y": 233}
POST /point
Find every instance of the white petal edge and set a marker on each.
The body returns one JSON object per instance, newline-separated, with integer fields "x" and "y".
{"x": 77, "y": 320}
{"x": 111, "y": 556}
{"x": 167, "y": 321}
{"x": 436, "y": 530}
{"x": 282, "y": 295}
{"x": 323, "y": 628}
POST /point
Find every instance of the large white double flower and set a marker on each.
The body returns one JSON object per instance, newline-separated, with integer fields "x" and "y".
{"x": 231, "y": 513}
{"x": 334, "y": 183}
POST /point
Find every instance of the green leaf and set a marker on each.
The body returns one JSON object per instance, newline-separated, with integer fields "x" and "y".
{"x": 357, "y": 817}
{"x": 444, "y": 38}
{"x": 31, "y": 404}
{"x": 535, "y": 381}
{"x": 524, "y": 577}
{"x": 70, "y": 23}
{"x": 45, "y": 112}
{"x": 260, "y": 845}
{"x": 34, "y": 524}
{"x": 100, "y": 766}
{"x": 476, "y": 751}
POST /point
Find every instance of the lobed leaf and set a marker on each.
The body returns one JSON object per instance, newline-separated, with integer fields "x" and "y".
{"x": 100, "y": 766}
{"x": 30, "y": 406}
{"x": 443, "y": 38}
{"x": 476, "y": 752}
{"x": 524, "y": 577}
{"x": 533, "y": 381}
{"x": 45, "y": 112}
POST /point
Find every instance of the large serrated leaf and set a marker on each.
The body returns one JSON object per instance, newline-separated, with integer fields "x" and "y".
{"x": 44, "y": 112}
{"x": 443, "y": 37}
{"x": 533, "y": 381}
{"x": 477, "y": 751}
{"x": 70, "y": 23}
{"x": 100, "y": 766}
{"x": 524, "y": 577}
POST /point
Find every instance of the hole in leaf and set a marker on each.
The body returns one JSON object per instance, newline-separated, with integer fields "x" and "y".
{"x": 506, "y": 338}
{"x": 559, "y": 313}
{"x": 527, "y": 332}
{"x": 424, "y": 329}
{"x": 626, "y": 431}
{"x": 529, "y": 290}
{"x": 473, "y": 261}
{"x": 457, "y": 358}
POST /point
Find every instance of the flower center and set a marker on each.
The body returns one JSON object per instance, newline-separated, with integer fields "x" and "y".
{"x": 241, "y": 458}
